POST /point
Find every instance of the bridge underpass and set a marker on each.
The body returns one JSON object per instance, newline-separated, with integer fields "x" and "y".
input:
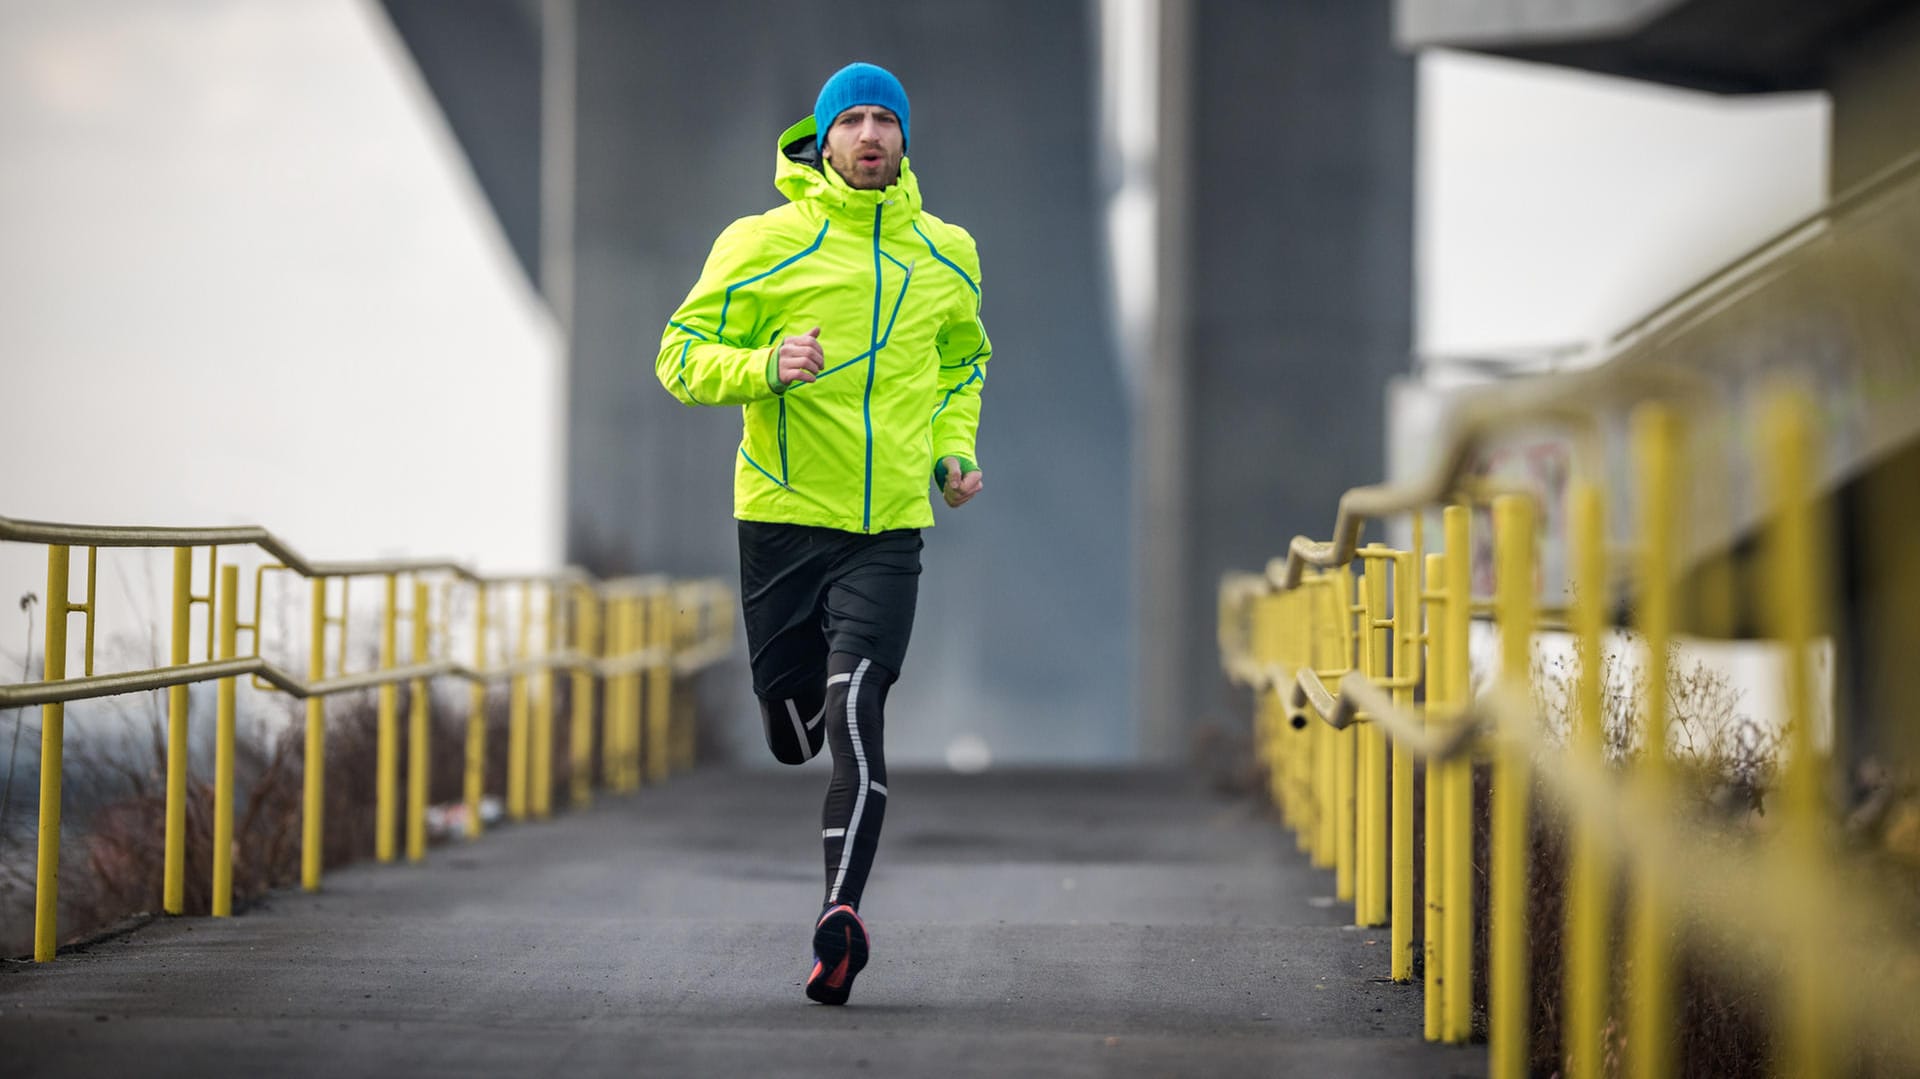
{"x": 1025, "y": 922}
{"x": 1044, "y": 923}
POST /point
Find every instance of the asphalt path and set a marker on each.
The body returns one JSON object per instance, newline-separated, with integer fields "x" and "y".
{"x": 1024, "y": 923}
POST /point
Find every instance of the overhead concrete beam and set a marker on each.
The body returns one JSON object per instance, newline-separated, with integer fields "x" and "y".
{"x": 1724, "y": 46}
{"x": 1465, "y": 23}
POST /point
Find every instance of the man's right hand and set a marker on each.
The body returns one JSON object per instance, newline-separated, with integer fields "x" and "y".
{"x": 800, "y": 358}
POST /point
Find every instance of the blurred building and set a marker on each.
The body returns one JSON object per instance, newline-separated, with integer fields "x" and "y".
{"x": 1286, "y": 173}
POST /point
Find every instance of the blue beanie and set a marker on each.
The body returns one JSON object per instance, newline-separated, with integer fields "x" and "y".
{"x": 859, "y": 84}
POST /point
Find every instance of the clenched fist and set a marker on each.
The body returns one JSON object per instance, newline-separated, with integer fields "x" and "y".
{"x": 960, "y": 488}
{"x": 800, "y": 358}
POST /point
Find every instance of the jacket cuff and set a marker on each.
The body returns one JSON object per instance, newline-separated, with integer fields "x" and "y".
{"x": 773, "y": 370}
{"x": 940, "y": 468}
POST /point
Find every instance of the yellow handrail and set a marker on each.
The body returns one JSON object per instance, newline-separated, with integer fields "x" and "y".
{"x": 669, "y": 653}
{"x": 1793, "y": 898}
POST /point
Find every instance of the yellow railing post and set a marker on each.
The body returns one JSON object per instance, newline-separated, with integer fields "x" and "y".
{"x": 1656, "y": 447}
{"x": 1795, "y": 553}
{"x": 677, "y": 635}
{"x": 417, "y": 727}
{"x": 1298, "y": 628}
{"x": 683, "y": 733}
{"x": 1345, "y": 742}
{"x": 46, "y": 883}
{"x": 517, "y": 711}
{"x": 697, "y": 636}
{"x": 386, "y": 767}
{"x": 659, "y": 635}
{"x": 680, "y": 732}
{"x": 633, "y": 702}
{"x": 613, "y": 707}
{"x": 1360, "y": 612}
{"x": 1508, "y": 1002}
{"x": 1406, "y": 625}
{"x": 580, "y": 745}
{"x": 1285, "y": 745}
{"x": 1375, "y": 624}
{"x": 314, "y": 767}
{"x": 476, "y": 778}
{"x": 1589, "y": 892}
{"x": 1296, "y": 646}
{"x": 1318, "y": 774}
{"x": 540, "y": 755}
{"x": 173, "y": 897}
{"x": 639, "y": 701}
{"x": 625, "y": 700}
{"x": 223, "y": 747}
{"x": 1433, "y": 864}
{"x": 1325, "y": 757}
{"x": 1256, "y": 613}
{"x": 1457, "y": 782}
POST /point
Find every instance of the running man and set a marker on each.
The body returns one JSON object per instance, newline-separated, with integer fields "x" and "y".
{"x": 846, "y": 324}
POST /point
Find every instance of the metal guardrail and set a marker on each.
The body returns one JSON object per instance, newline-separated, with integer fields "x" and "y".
{"x": 1353, "y": 672}
{"x": 1841, "y": 248}
{"x": 632, "y": 636}
{"x": 1311, "y": 646}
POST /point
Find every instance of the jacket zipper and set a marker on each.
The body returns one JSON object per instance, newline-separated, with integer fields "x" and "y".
{"x": 782, "y": 431}
{"x": 873, "y": 360}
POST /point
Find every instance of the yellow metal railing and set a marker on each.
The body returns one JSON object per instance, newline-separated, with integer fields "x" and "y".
{"x": 1361, "y": 678}
{"x": 621, "y": 634}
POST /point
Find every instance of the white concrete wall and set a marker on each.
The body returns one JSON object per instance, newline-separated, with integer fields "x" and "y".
{"x": 1554, "y": 208}
{"x": 1557, "y": 206}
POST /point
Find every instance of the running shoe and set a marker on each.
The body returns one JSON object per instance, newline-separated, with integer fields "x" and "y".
{"x": 839, "y": 951}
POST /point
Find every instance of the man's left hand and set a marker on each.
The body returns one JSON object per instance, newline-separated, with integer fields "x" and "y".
{"x": 961, "y": 488}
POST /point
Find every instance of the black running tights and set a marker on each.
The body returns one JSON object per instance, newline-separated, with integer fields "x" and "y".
{"x": 857, "y": 798}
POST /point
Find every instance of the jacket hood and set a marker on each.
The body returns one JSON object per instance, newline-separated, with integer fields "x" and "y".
{"x": 803, "y": 178}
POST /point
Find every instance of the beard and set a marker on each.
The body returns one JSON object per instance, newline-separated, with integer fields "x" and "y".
{"x": 864, "y": 177}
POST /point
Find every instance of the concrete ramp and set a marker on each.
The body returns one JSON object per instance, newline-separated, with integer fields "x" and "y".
{"x": 1024, "y": 923}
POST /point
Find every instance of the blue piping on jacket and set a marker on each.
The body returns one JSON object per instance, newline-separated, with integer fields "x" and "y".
{"x": 885, "y": 336}
{"x": 756, "y": 467}
{"x": 726, "y": 301}
{"x": 970, "y": 379}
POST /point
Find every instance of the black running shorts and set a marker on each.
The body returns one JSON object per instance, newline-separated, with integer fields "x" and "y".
{"x": 807, "y": 592}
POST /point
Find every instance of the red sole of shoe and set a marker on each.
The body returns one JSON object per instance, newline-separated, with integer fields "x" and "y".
{"x": 840, "y": 950}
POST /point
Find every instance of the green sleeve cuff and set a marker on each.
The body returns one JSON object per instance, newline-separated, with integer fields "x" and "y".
{"x": 940, "y": 468}
{"x": 773, "y": 370}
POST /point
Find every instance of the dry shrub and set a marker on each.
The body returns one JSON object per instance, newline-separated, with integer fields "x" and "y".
{"x": 116, "y": 869}
{"x": 1724, "y": 763}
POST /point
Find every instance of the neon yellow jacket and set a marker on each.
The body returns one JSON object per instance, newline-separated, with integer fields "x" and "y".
{"x": 896, "y": 293}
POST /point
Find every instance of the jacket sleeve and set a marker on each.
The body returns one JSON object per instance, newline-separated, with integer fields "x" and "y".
{"x": 964, "y": 351}
{"x": 706, "y": 352}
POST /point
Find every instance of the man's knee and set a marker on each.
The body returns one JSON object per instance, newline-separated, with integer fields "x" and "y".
{"x": 844, "y": 666}
{"x": 795, "y": 726}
